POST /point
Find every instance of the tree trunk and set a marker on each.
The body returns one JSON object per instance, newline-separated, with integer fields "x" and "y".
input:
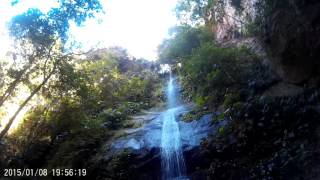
{"x": 34, "y": 92}
{"x": 13, "y": 85}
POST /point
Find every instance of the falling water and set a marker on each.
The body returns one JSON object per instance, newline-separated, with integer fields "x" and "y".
{"x": 172, "y": 160}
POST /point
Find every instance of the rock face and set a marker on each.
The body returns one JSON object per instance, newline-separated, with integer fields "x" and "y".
{"x": 283, "y": 89}
{"x": 237, "y": 13}
{"x": 290, "y": 30}
{"x": 149, "y": 135}
{"x": 138, "y": 151}
{"x": 292, "y": 33}
{"x": 192, "y": 133}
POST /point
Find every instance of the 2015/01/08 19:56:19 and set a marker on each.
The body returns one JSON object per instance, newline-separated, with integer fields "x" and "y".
{"x": 26, "y": 172}
{"x": 69, "y": 172}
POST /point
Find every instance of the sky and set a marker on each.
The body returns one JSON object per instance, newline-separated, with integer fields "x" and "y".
{"x": 137, "y": 25}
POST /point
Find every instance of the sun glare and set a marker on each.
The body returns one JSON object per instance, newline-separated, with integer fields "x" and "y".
{"x": 139, "y": 26}
{"x": 11, "y": 107}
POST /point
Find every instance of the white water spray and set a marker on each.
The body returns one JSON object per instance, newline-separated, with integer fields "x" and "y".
{"x": 172, "y": 160}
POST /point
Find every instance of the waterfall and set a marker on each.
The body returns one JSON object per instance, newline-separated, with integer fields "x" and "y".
{"x": 172, "y": 160}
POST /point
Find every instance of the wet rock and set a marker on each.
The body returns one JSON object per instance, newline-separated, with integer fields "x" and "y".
{"x": 192, "y": 133}
{"x": 149, "y": 135}
{"x": 196, "y": 158}
{"x": 292, "y": 34}
{"x": 141, "y": 147}
{"x": 199, "y": 175}
{"x": 283, "y": 89}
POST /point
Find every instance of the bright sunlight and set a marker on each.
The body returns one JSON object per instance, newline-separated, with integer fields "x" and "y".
{"x": 124, "y": 23}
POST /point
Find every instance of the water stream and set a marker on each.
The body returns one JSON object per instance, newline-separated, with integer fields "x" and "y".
{"x": 172, "y": 160}
{"x": 164, "y": 130}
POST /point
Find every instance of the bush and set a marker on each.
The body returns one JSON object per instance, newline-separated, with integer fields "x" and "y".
{"x": 183, "y": 42}
{"x": 213, "y": 72}
{"x": 230, "y": 99}
{"x": 83, "y": 106}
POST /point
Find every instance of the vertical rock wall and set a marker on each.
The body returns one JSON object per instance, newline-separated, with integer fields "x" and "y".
{"x": 290, "y": 32}
{"x": 236, "y": 17}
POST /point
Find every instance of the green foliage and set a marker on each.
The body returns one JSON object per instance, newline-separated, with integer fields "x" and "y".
{"x": 198, "y": 11}
{"x": 221, "y": 130}
{"x": 230, "y": 99}
{"x": 195, "y": 114}
{"x": 112, "y": 117}
{"x": 77, "y": 149}
{"x": 40, "y": 45}
{"x": 211, "y": 72}
{"x": 271, "y": 138}
{"x": 118, "y": 166}
{"x": 201, "y": 101}
{"x": 82, "y": 101}
{"x": 37, "y": 120}
{"x": 133, "y": 90}
{"x": 43, "y": 29}
{"x": 67, "y": 118}
{"x": 181, "y": 45}
{"x": 208, "y": 72}
{"x": 219, "y": 117}
{"x": 87, "y": 101}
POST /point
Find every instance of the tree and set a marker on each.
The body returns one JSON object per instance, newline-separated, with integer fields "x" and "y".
{"x": 183, "y": 42}
{"x": 40, "y": 43}
{"x": 208, "y": 12}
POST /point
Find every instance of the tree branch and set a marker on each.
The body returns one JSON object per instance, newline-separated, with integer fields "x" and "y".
{"x": 34, "y": 92}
